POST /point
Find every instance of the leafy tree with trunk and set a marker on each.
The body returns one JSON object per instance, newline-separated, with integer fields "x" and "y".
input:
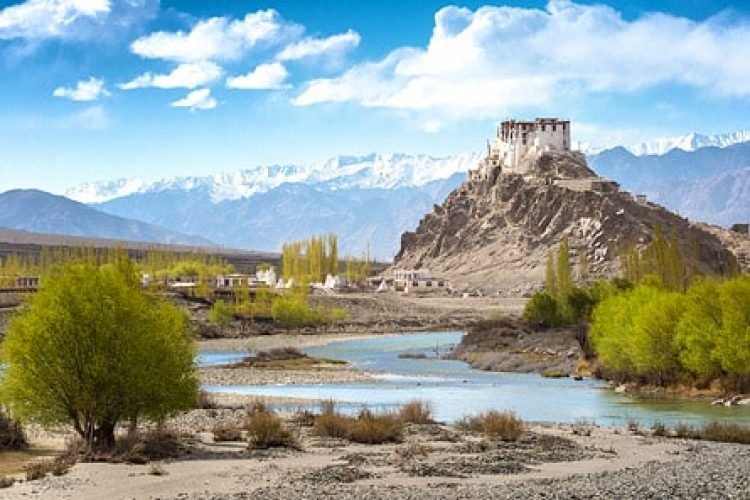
{"x": 93, "y": 350}
{"x": 220, "y": 314}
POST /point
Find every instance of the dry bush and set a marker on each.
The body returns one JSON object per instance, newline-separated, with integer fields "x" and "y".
{"x": 206, "y": 401}
{"x": 416, "y": 412}
{"x": 266, "y": 430}
{"x": 633, "y": 425}
{"x": 495, "y": 425}
{"x": 157, "y": 469}
{"x": 40, "y": 468}
{"x": 583, "y": 428}
{"x": 685, "y": 431}
{"x": 726, "y": 433}
{"x": 659, "y": 429}
{"x": 258, "y": 406}
{"x": 376, "y": 428}
{"x": 7, "y": 481}
{"x": 413, "y": 449}
{"x": 227, "y": 431}
{"x": 332, "y": 424}
{"x": 12, "y": 436}
{"x": 304, "y": 418}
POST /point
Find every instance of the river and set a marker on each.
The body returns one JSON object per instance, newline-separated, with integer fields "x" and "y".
{"x": 455, "y": 389}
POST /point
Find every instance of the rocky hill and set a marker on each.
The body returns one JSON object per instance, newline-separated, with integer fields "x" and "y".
{"x": 494, "y": 233}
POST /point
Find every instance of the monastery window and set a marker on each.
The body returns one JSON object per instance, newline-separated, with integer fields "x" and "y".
{"x": 554, "y": 128}
{"x": 415, "y": 283}
{"x": 543, "y": 127}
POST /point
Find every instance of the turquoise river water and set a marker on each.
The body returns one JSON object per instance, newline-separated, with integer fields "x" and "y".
{"x": 455, "y": 389}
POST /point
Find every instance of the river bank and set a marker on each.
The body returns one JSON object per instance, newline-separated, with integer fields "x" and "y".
{"x": 433, "y": 461}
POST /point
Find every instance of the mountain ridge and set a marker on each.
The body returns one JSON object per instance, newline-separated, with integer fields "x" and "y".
{"x": 38, "y": 211}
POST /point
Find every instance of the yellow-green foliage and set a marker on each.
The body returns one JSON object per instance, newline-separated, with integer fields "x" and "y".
{"x": 662, "y": 336}
{"x": 92, "y": 349}
{"x": 310, "y": 260}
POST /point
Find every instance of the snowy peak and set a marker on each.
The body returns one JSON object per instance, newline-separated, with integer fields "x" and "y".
{"x": 689, "y": 142}
{"x": 340, "y": 172}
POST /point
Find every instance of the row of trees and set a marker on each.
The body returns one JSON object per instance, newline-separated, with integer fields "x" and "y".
{"x": 312, "y": 260}
{"x": 153, "y": 262}
{"x": 658, "y": 335}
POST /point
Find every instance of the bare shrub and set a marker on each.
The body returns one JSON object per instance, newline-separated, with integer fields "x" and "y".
{"x": 726, "y": 433}
{"x": 304, "y": 418}
{"x": 416, "y": 412}
{"x": 227, "y": 431}
{"x": 7, "y": 481}
{"x": 332, "y": 424}
{"x": 12, "y": 436}
{"x": 495, "y": 425}
{"x": 659, "y": 429}
{"x": 206, "y": 401}
{"x": 633, "y": 425}
{"x": 376, "y": 428}
{"x": 157, "y": 469}
{"x": 413, "y": 449}
{"x": 266, "y": 430}
{"x": 40, "y": 468}
{"x": 583, "y": 428}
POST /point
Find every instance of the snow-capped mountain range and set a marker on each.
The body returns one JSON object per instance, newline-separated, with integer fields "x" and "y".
{"x": 689, "y": 142}
{"x": 374, "y": 171}
{"x": 346, "y": 172}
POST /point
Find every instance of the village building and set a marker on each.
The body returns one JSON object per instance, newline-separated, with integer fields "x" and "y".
{"x": 740, "y": 228}
{"x": 415, "y": 280}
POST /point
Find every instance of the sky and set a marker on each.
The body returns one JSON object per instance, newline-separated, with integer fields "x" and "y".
{"x": 107, "y": 89}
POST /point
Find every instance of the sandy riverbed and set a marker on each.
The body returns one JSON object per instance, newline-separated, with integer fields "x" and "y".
{"x": 433, "y": 462}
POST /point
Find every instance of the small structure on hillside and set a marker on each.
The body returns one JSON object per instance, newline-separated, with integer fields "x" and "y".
{"x": 740, "y": 228}
{"x": 413, "y": 281}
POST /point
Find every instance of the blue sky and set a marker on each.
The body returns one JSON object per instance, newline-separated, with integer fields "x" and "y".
{"x": 105, "y": 89}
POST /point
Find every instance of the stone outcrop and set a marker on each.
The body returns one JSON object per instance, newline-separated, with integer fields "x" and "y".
{"x": 494, "y": 232}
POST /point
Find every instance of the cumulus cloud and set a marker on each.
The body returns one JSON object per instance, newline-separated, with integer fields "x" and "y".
{"x": 85, "y": 90}
{"x": 334, "y": 46}
{"x": 186, "y": 75}
{"x": 217, "y": 38}
{"x": 494, "y": 59}
{"x": 264, "y": 77}
{"x": 35, "y": 20}
{"x": 197, "y": 99}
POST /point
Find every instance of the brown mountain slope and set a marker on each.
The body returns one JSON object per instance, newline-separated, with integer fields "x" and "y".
{"x": 495, "y": 233}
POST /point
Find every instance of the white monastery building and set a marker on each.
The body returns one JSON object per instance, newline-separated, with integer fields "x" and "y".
{"x": 518, "y": 144}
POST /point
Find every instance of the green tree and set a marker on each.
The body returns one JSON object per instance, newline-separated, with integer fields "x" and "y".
{"x": 550, "y": 276}
{"x": 290, "y": 311}
{"x": 564, "y": 274}
{"x": 220, "y": 314}
{"x": 92, "y": 350}
{"x": 699, "y": 329}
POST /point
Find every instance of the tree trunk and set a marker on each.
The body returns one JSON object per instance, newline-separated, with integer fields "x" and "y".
{"x": 104, "y": 436}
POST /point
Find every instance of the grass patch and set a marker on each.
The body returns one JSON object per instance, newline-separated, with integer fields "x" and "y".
{"x": 416, "y": 412}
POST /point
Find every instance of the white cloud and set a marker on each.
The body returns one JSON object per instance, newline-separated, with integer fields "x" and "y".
{"x": 186, "y": 75}
{"x": 85, "y": 90}
{"x": 197, "y": 99}
{"x": 217, "y": 38}
{"x": 265, "y": 76}
{"x": 496, "y": 59}
{"x": 334, "y": 46}
{"x": 72, "y": 19}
